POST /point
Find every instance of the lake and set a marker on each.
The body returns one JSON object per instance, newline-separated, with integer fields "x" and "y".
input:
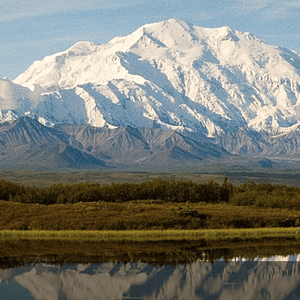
{"x": 198, "y": 269}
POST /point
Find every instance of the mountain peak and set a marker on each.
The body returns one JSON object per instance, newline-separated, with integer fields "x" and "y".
{"x": 226, "y": 33}
{"x": 69, "y": 68}
{"x": 171, "y": 24}
{"x": 82, "y": 48}
{"x": 171, "y": 75}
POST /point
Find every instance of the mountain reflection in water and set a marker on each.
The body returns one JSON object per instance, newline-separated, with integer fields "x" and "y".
{"x": 265, "y": 268}
{"x": 278, "y": 278}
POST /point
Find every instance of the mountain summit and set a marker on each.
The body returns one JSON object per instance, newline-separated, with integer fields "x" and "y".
{"x": 173, "y": 75}
{"x": 217, "y": 84}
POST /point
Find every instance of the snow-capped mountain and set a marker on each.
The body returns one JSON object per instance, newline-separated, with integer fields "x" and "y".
{"x": 173, "y": 75}
{"x": 215, "y": 84}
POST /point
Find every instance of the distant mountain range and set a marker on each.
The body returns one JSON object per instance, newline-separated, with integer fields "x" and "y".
{"x": 169, "y": 93}
{"x": 26, "y": 143}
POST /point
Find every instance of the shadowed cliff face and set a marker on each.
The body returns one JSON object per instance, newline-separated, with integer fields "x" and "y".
{"x": 277, "y": 278}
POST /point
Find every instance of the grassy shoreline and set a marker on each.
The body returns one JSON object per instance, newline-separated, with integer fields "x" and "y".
{"x": 152, "y": 235}
{"x": 22, "y": 252}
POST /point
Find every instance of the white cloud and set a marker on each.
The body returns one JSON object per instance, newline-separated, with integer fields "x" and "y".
{"x": 294, "y": 3}
{"x": 248, "y": 7}
{"x": 270, "y": 9}
{"x": 16, "y": 9}
{"x": 251, "y": 5}
{"x": 7, "y": 100}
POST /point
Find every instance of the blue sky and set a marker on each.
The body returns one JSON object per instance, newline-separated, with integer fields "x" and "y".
{"x": 32, "y": 29}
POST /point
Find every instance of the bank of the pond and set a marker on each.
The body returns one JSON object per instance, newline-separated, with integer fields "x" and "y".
{"x": 141, "y": 215}
{"x": 152, "y": 235}
{"x": 21, "y": 252}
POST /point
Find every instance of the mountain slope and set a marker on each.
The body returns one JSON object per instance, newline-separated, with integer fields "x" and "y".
{"x": 204, "y": 85}
{"x": 173, "y": 75}
{"x": 25, "y": 143}
{"x": 128, "y": 145}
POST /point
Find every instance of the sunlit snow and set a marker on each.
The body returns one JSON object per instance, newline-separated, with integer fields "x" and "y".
{"x": 170, "y": 74}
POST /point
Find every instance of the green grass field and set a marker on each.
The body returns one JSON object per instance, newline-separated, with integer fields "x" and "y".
{"x": 153, "y": 235}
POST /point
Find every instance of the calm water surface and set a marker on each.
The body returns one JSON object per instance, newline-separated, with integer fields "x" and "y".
{"x": 226, "y": 276}
{"x": 237, "y": 279}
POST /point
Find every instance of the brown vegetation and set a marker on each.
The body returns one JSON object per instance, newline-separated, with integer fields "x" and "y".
{"x": 138, "y": 215}
{"x": 155, "y": 204}
{"x": 156, "y": 189}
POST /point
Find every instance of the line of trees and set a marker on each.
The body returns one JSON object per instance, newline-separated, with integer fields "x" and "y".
{"x": 156, "y": 189}
{"x": 249, "y": 194}
{"x": 266, "y": 195}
